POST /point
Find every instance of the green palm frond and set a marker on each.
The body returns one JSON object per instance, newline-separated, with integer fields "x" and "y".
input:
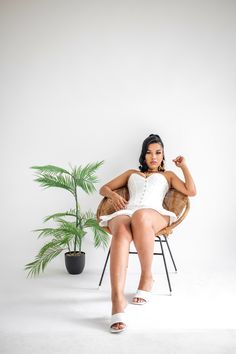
{"x": 64, "y": 228}
{"x": 101, "y": 237}
{"x": 48, "y": 180}
{"x": 40, "y": 263}
{"x": 91, "y": 222}
{"x": 85, "y": 177}
{"x": 54, "y": 244}
{"x": 49, "y": 231}
{"x": 71, "y": 212}
{"x": 68, "y": 227}
{"x": 86, "y": 215}
{"x": 50, "y": 169}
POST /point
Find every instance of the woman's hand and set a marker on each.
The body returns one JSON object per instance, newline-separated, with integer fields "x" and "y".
{"x": 179, "y": 161}
{"x": 186, "y": 187}
{"x": 118, "y": 202}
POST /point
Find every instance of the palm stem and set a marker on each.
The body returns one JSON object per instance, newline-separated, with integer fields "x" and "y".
{"x": 77, "y": 215}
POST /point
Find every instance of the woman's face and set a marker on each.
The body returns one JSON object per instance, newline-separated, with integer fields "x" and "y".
{"x": 154, "y": 156}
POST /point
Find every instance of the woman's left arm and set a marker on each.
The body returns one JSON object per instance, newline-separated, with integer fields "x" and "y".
{"x": 188, "y": 187}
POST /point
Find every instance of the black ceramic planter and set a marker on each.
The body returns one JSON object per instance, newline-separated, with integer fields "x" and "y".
{"x": 75, "y": 262}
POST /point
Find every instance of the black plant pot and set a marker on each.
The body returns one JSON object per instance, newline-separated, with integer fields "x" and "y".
{"x": 75, "y": 262}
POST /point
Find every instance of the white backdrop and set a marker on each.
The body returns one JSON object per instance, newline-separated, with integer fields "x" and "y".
{"x": 85, "y": 81}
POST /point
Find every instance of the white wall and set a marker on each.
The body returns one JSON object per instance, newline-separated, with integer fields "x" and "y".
{"x": 86, "y": 81}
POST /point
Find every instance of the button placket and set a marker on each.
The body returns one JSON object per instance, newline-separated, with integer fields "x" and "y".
{"x": 144, "y": 191}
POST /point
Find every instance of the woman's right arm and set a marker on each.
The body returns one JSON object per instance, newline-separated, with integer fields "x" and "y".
{"x": 107, "y": 190}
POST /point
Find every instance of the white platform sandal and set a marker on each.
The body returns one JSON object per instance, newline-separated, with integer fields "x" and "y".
{"x": 143, "y": 294}
{"x": 116, "y": 318}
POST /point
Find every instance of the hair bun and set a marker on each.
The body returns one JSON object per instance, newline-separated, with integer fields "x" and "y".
{"x": 154, "y": 135}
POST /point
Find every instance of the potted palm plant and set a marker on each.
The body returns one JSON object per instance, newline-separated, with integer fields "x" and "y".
{"x": 71, "y": 226}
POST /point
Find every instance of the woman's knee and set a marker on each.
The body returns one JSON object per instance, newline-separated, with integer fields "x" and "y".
{"x": 148, "y": 219}
{"x": 141, "y": 218}
{"x": 160, "y": 223}
{"x": 122, "y": 230}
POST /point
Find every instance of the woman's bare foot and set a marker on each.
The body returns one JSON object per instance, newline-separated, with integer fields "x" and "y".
{"x": 119, "y": 303}
{"x": 146, "y": 284}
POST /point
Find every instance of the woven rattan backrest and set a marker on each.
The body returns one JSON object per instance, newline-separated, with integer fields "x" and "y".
{"x": 175, "y": 201}
{"x": 105, "y": 207}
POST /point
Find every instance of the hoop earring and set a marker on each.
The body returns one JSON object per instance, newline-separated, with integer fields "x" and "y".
{"x": 161, "y": 168}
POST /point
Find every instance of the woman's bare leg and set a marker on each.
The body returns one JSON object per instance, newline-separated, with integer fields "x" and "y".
{"x": 145, "y": 223}
{"x": 120, "y": 244}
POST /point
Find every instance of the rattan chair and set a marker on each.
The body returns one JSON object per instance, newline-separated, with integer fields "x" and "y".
{"x": 174, "y": 201}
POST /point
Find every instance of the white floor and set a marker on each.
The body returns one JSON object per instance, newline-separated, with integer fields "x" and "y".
{"x": 63, "y": 313}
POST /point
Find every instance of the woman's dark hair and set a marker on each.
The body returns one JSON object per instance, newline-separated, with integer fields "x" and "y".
{"x": 152, "y": 138}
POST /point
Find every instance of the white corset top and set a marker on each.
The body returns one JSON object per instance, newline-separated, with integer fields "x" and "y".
{"x": 149, "y": 191}
{"x": 144, "y": 192}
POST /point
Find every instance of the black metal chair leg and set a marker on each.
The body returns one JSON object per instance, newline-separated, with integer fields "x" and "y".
{"x": 161, "y": 254}
{"x": 171, "y": 255}
{"x": 104, "y": 268}
{"x": 164, "y": 260}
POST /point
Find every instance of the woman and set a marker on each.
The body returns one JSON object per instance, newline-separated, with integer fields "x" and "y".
{"x": 139, "y": 219}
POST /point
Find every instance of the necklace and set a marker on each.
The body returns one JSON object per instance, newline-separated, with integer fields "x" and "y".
{"x": 148, "y": 172}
